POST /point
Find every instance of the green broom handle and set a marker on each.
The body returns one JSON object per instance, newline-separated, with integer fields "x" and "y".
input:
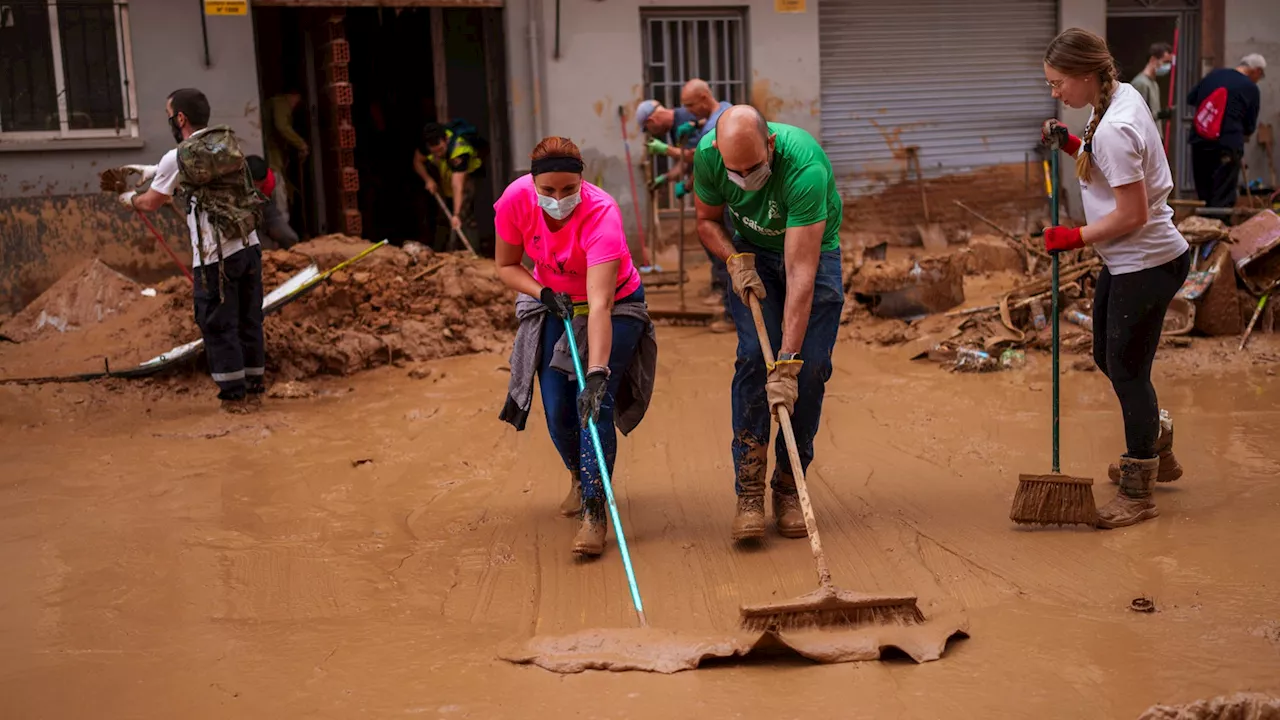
{"x": 1053, "y": 211}
{"x": 604, "y": 476}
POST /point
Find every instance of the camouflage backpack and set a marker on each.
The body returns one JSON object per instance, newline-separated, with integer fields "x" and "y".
{"x": 216, "y": 181}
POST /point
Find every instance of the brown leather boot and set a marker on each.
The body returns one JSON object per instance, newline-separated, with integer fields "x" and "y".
{"x": 1170, "y": 468}
{"x": 572, "y": 503}
{"x": 1132, "y": 504}
{"x": 748, "y": 524}
{"x": 589, "y": 542}
{"x": 788, "y": 516}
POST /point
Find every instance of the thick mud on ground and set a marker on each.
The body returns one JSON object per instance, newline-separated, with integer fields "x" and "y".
{"x": 368, "y": 551}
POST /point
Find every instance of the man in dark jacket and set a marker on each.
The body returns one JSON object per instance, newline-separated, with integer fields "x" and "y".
{"x": 1227, "y": 101}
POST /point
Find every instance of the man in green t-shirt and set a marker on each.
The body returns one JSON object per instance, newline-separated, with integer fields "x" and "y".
{"x": 781, "y": 193}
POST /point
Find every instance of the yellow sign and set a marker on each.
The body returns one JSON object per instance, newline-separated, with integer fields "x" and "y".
{"x": 232, "y": 7}
{"x": 782, "y": 6}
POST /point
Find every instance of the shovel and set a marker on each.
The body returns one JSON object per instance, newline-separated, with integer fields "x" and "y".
{"x": 931, "y": 234}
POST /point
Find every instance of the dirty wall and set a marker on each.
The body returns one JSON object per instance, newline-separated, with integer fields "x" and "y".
{"x": 601, "y": 67}
{"x": 1253, "y": 26}
{"x": 52, "y": 214}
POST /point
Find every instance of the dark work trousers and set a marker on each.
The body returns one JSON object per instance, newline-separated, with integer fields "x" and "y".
{"x": 231, "y": 322}
{"x": 1217, "y": 174}
{"x": 560, "y": 401}
{"x": 751, "y": 415}
{"x": 1128, "y": 315}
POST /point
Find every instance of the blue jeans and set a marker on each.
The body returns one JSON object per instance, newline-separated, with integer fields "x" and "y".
{"x": 560, "y": 402}
{"x": 751, "y": 416}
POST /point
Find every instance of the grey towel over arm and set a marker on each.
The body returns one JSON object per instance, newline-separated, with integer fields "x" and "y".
{"x": 637, "y": 386}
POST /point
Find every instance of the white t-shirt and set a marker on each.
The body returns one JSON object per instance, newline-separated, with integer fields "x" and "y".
{"x": 164, "y": 182}
{"x": 1127, "y": 149}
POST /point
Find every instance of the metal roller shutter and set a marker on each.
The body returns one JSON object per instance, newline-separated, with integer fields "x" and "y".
{"x": 961, "y": 80}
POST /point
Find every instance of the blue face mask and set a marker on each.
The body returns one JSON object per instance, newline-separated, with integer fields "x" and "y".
{"x": 562, "y": 208}
{"x": 1163, "y": 69}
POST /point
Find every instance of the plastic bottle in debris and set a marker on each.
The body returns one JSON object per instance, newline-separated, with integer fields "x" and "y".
{"x": 1081, "y": 319}
{"x": 973, "y": 360}
{"x": 1012, "y": 359}
{"x": 1037, "y": 315}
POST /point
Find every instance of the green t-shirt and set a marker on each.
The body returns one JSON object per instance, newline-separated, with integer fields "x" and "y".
{"x": 801, "y": 190}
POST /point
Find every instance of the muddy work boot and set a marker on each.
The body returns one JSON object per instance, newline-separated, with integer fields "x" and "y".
{"x": 592, "y": 527}
{"x": 1133, "y": 503}
{"x": 238, "y": 406}
{"x": 788, "y": 516}
{"x": 1170, "y": 468}
{"x": 572, "y": 503}
{"x": 748, "y": 524}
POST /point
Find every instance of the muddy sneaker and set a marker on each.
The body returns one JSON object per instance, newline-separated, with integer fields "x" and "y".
{"x": 572, "y": 503}
{"x": 748, "y": 524}
{"x": 788, "y": 516}
{"x": 589, "y": 542}
{"x": 1132, "y": 504}
{"x": 1170, "y": 468}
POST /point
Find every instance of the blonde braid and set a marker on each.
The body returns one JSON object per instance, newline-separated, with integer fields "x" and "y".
{"x": 1084, "y": 161}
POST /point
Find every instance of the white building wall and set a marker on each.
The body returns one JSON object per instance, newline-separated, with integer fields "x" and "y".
{"x": 1253, "y": 26}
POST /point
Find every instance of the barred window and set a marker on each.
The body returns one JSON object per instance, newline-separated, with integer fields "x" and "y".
{"x": 65, "y": 69}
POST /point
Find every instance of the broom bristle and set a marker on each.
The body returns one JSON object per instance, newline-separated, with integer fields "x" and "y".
{"x": 829, "y": 618}
{"x": 1054, "y": 500}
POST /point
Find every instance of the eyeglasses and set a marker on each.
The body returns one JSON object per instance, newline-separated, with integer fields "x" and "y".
{"x": 1055, "y": 84}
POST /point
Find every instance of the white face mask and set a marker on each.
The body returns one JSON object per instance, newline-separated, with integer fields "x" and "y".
{"x": 754, "y": 180}
{"x": 1163, "y": 69}
{"x": 559, "y": 209}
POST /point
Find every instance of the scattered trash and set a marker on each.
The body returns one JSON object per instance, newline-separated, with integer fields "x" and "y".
{"x": 292, "y": 390}
{"x": 971, "y": 360}
{"x": 148, "y": 292}
{"x": 1038, "y": 320}
{"x": 1142, "y": 605}
{"x": 907, "y": 289}
{"x": 361, "y": 461}
{"x": 1012, "y": 359}
{"x": 1253, "y": 249}
{"x": 1078, "y": 318}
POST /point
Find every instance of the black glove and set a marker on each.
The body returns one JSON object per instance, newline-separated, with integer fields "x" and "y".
{"x": 559, "y": 304}
{"x": 590, "y": 398}
{"x": 1164, "y": 114}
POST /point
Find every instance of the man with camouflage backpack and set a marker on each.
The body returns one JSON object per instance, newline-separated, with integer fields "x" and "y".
{"x": 223, "y": 208}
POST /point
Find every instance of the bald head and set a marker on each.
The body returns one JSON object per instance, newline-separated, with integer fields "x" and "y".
{"x": 742, "y": 137}
{"x": 697, "y": 98}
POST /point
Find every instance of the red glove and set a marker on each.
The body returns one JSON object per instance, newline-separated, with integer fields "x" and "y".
{"x": 1060, "y": 239}
{"x": 1057, "y": 131}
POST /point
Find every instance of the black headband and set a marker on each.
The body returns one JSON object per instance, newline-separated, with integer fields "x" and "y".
{"x": 558, "y": 163}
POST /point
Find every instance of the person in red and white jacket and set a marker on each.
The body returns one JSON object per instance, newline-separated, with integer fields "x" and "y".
{"x": 1124, "y": 183}
{"x": 274, "y": 227}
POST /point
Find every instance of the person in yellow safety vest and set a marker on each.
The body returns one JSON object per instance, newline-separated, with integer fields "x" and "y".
{"x": 445, "y": 162}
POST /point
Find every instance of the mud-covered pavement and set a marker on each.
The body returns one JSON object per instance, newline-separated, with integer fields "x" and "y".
{"x": 366, "y": 552}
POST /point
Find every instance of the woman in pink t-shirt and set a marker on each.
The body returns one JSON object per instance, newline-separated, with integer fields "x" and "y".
{"x": 573, "y": 232}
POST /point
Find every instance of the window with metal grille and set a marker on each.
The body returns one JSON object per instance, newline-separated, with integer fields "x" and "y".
{"x": 680, "y": 45}
{"x": 65, "y": 70}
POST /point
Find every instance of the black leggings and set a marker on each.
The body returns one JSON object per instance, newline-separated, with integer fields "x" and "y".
{"x": 1128, "y": 315}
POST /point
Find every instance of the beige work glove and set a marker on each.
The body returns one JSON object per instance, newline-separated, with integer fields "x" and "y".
{"x": 742, "y": 271}
{"x": 782, "y": 386}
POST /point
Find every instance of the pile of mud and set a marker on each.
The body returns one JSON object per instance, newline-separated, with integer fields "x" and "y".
{"x": 392, "y": 306}
{"x": 87, "y": 295}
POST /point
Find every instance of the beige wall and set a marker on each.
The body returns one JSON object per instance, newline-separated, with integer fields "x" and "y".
{"x": 1253, "y": 26}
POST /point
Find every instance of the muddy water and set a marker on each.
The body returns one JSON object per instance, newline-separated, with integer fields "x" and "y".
{"x": 367, "y": 552}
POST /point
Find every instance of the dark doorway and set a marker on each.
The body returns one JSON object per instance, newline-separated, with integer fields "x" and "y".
{"x": 407, "y": 67}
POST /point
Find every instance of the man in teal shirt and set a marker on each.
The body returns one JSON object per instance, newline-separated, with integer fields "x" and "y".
{"x": 781, "y": 193}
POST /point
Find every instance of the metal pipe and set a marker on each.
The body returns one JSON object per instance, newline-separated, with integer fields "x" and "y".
{"x": 127, "y": 35}
{"x": 204, "y": 31}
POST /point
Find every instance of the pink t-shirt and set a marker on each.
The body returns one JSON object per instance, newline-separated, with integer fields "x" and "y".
{"x": 592, "y": 235}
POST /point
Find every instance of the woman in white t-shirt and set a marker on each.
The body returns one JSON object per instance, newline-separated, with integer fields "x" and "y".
{"x": 1124, "y": 182}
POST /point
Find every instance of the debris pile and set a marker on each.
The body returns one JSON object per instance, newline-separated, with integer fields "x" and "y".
{"x": 395, "y": 305}
{"x": 86, "y": 295}
{"x": 909, "y": 300}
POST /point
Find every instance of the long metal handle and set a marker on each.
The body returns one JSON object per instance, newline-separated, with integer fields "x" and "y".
{"x": 1053, "y": 212}
{"x": 604, "y": 477}
{"x": 797, "y": 468}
